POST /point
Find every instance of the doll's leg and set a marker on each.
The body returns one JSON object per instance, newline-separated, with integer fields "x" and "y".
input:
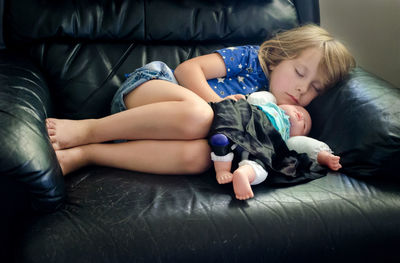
{"x": 223, "y": 171}
{"x": 242, "y": 177}
{"x": 156, "y": 110}
{"x": 222, "y": 157}
{"x": 249, "y": 173}
{"x": 149, "y": 156}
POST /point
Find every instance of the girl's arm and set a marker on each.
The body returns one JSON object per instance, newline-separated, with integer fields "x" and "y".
{"x": 194, "y": 73}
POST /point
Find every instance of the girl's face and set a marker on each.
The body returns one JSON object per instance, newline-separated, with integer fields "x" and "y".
{"x": 297, "y": 81}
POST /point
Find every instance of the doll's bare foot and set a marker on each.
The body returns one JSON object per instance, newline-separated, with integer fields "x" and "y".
{"x": 242, "y": 178}
{"x": 223, "y": 172}
{"x": 224, "y": 177}
{"x": 329, "y": 160}
{"x": 71, "y": 159}
{"x": 68, "y": 133}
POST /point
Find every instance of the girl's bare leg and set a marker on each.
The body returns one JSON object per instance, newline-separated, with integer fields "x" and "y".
{"x": 150, "y": 156}
{"x": 156, "y": 110}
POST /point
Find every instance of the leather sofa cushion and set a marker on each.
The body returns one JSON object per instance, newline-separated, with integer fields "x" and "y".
{"x": 121, "y": 216}
{"x": 360, "y": 120}
{"x": 159, "y": 20}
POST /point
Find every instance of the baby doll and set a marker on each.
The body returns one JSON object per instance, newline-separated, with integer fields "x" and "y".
{"x": 292, "y": 122}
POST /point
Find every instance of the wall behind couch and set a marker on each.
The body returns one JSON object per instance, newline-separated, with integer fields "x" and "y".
{"x": 371, "y": 29}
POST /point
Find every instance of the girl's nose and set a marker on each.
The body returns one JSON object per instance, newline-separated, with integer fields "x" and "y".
{"x": 301, "y": 87}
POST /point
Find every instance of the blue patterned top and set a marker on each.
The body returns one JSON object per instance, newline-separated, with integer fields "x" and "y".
{"x": 244, "y": 74}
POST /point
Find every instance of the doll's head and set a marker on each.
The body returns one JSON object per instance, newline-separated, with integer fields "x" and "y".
{"x": 300, "y": 120}
{"x": 334, "y": 62}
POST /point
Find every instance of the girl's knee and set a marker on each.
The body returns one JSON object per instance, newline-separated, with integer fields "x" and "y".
{"x": 196, "y": 157}
{"x": 197, "y": 120}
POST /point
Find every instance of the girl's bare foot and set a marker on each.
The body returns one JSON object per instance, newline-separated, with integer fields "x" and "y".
{"x": 71, "y": 159}
{"x": 68, "y": 133}
{"x": 242, "y": 178}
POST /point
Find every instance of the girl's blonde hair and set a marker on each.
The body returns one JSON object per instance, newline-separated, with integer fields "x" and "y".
{"x": 336, "y": 59}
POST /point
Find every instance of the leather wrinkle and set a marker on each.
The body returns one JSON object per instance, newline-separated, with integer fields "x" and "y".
{"x": 30, "y": 92}
{"x": 215, "y": 227}
{"x": 351, "y": 202}
{"x": 144, "y": 19}
{"x": 25, "y": 109}
{"x": 119, "y": 62}
{"x": 250, "y": 222}
{"x": 195, "y": 14}
{"x": 113, "y": 70}
{"x": 70, "y": 59}
{"x": 317, "y": 213}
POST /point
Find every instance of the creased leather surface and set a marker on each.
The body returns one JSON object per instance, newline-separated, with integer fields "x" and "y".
{"x": 87, "y": 47}
{"x": 146, "y": 20}
{"x": 133, "y": 217}
{"x": 83, "y": 81}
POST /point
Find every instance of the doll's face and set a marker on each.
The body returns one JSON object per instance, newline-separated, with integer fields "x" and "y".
{"x": 300, "y": 120}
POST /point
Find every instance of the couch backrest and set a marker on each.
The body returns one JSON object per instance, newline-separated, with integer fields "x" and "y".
{"x": 85, "y": 47}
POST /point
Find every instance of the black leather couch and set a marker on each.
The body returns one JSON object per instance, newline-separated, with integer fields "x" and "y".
{"x": 67, "y": 58}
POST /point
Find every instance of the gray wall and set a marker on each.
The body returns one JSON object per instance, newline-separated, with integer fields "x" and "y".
{"x": 371, "y": 29}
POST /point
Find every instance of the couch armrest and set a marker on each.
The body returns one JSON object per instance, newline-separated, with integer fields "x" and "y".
{"x": 26, "y": 155}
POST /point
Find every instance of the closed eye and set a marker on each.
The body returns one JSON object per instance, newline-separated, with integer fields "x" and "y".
{"x": 317, "y": 89}
{"x": 299, "y": 73}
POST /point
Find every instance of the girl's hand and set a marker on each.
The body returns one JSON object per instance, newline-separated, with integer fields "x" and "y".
{"x": 235, "y": 97}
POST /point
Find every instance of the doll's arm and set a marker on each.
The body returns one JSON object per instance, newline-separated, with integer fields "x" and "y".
{"x": 261, "y": 98}
{"x": 316, "y": 150}
{"x": 329, "y": 159}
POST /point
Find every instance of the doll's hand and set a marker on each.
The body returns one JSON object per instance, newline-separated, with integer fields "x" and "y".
{"x": 330, "y": 160}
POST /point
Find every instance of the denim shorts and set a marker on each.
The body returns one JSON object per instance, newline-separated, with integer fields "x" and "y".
{"x": 153, "y": 70}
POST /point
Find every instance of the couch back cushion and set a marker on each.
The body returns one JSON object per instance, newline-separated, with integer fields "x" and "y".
{"x": 86, "y": 47}
{"x": 360, "y": 121}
